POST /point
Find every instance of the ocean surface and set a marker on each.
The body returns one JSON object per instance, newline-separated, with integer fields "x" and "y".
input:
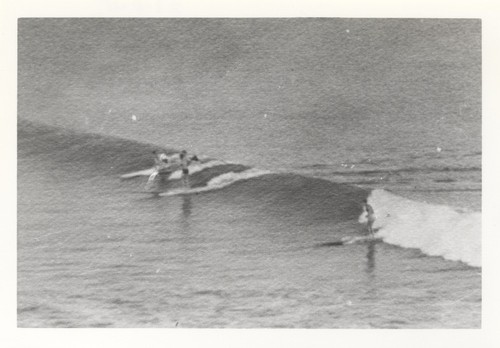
{"x": 296, "y": 122}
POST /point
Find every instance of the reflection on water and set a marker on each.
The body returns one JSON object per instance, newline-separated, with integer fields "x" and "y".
{"x": 371, "y": 290}
{"x": 186, "y": 210}
{"x": 370, "y": 258}
{"x": 186, "y": 206}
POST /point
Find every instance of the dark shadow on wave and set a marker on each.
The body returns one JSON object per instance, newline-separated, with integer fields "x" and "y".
{"x": 85, "y": 151}
{"x": 300, "y": 199}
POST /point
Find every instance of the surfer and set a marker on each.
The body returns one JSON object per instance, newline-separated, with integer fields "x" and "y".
{"x": 185, "y": 162}
{"x": 370, "y": 216}
{"x": 160, "y": 159}
{"x": 161, "y": 166}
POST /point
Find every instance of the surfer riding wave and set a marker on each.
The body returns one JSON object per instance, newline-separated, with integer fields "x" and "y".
{"x": 161, "y": 167}
{"x": 166, "y": 165}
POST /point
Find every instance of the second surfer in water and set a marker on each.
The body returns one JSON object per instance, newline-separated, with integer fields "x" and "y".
{"x": 370, "y": 216}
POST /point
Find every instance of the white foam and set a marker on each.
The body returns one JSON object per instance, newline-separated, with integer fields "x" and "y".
{"x": 196, "y": 167}
{"x": 436, "y": 230}
{"x": 177, "y": 174}
{"x": 220, "y": 181}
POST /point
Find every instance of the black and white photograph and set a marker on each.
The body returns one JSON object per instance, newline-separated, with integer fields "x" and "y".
{"x": 249, "y": 172}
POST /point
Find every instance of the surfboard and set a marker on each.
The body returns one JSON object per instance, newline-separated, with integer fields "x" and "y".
{"x": 182, "y": 191}
{"x": 347, "y": 240}
{"x": 360, "y": 239}
{"x": 145, "y": 172}
{"x": 148, "y": 192}
{"x": 167, "y": 171}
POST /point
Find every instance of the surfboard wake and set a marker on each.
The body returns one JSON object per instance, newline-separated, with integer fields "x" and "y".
{"x": 218, "y": 182}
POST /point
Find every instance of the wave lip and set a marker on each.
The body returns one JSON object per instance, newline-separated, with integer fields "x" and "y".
{"x": 436, "y": 230}
{"x": 220, "y": 181}
{"x": 197, "y": 167}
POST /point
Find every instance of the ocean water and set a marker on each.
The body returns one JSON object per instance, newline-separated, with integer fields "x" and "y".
{"x": 95, "y": 250}
{"x": 296, "y": 122}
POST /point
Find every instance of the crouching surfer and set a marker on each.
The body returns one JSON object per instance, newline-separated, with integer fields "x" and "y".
{"x": 370, "y": 216}
{"x": 161, "y": 167}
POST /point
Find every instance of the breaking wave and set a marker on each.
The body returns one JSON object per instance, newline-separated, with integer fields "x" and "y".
{"x": 436, "y": 230}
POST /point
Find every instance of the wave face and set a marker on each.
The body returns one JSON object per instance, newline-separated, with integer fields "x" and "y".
{"x": 436, "y": 230}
